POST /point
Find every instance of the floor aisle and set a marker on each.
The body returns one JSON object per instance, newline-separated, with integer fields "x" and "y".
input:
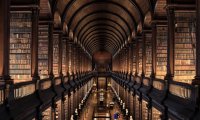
{"x": 92, "y": 103}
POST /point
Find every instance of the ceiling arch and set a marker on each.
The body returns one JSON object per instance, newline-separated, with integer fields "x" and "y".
{"x": 102, "y": 37}
{"x": 103, "y": 26}
{"x": 104, "y": 21}
{"x": 102, "y": 31}
{"x": 103, "y": 15}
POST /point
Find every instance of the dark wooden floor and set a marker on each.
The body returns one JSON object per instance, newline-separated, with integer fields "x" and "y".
{"x": 93, "y": 105}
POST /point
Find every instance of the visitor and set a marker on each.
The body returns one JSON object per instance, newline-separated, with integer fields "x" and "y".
{"x": 116, "y": 115}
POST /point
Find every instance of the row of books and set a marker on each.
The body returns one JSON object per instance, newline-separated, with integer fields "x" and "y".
{"x": 20, "y": 46}
{"x": 161, "y": 51}
{"x": 43, "y": 50}
{"x": 14, "y": 66}
{"x": 180, "y": 91}
{"x": 64, "y": 51}
{"x": 20, "y": 51}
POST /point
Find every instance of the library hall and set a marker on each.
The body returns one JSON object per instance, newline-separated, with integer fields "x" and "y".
{"x": 99, "y": 60}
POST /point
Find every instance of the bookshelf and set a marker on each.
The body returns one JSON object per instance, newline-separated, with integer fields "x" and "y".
{"x": 140, "y": 58}
{"x": 185, "y": 47}
{"x": 72, "y": 103}
{"x": 47, "y": 114}
{"x": 148, "y": 55}
{"x": 131, "y": 104}
{"x": 55, "y": 54}
{"x": 144, "y": 110}
{"x": 134, "y": 61}
{"x": 137, "y": 108}
{"x": 161, "y": 52}
{"x": 43, "y": 38}
{"x": 64, "y": 50}
{"x": 20, "y": 45}
{"x": 156, "y": 114}
{"x": 58, "y": 110}
{"x": 66, "y": 108}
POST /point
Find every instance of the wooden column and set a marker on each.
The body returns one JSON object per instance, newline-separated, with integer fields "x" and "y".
{"x": 67, "y": 55}
{"x": 170, "y": 44}
{"x": 196, "y": 81}
{"x": 143, "y": 54}
{"x": 197, "y": 77}
{"x": 137, "y": 57}
{"x": 34, "y": 48}
{"x": 4, "y": 40}
{"x": 154, "y": 34}
{"x": 70, "y": 57}
{"x": 50, "y": 50}
{"x": 60, "y": 54}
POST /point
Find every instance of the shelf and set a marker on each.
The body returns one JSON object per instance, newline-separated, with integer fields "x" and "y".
{"x": 161, "y": 52}
{"x": 148, "y": 55}
{"x": 140, "y": 59}
{"x": 64, "y": 52}
{"x": 185, "y": 51}
{"x": 20, "y": 45}
{"x": 43, "y": 50}
{"x": 55, "y": 54}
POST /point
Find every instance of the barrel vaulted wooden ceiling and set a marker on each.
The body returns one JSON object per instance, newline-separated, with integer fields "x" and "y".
{"x": 104, "y": 24}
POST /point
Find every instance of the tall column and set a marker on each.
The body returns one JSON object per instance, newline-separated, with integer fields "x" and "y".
{"x": 197, "y": 77}
{"x": 60, "y": 54}
{"x": 137, "y": 57}
{"x": 143, "y": 55}
{"x": 70, "y": 57}
{"x": 4, "y": 40}
{"x": 131, "y": 57}
{"x": 196, "y": 81}
{"x": 50, "y": 50}
{"x": 154, "y": 34}
{"x": 67, "y": 55}
{"x": 34, "y": 48}
{"x": 170, "y": 43}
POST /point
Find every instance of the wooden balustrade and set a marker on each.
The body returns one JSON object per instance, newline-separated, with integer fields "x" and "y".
{"x": 24, "y": 89}
{"x": 45, "y": 84}
{"x": 182, "y": 90}
{"x": 66, "y": 79}
{"x": 57, "y": 81}
{"x": 158, "y": 84}
{"x": 146, "y": 81}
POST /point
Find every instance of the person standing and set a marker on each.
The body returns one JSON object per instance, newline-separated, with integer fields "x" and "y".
{"x": 116, "y": 116}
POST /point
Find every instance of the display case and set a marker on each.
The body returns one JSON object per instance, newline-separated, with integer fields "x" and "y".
{"x": 20, "y": 45}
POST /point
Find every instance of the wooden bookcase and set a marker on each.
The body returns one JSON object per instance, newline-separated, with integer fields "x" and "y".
{"x": 140, "y": 58}
{"x": 64, "y": 51}
{"x": 43, "y": 47}
{"x": 20, "y": 45}
{"x": 55, "y": 54}
{"x": 161, "y": 52}
{"x": 148, "y": 46}
{"x": 185, "y": 47}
